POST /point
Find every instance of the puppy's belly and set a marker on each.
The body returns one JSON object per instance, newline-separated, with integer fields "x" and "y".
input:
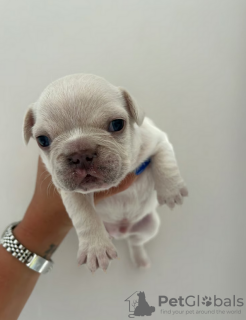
{"x": 121, "y": 211}
{"x": 125, "y": 228}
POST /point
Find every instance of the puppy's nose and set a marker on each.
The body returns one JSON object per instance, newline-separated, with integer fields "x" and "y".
{"x": 84, "y": 157}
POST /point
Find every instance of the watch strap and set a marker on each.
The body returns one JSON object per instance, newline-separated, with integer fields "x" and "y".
{"x": 30, "y": 259}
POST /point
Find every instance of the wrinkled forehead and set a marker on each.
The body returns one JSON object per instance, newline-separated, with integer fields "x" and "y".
{"x": 66, "y": 106}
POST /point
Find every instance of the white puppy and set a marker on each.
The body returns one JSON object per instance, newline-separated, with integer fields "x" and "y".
{"x": 92, "y": 135}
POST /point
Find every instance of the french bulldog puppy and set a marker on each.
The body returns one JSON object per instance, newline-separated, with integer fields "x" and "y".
{"x": 92, "y": 134}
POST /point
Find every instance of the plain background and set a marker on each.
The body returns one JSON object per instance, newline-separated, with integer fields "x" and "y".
{"x": 184, "y": 62}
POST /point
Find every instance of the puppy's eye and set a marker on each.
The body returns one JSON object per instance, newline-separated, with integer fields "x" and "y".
{"x": 116, "y": 125}
{"x": 43, "y": 141}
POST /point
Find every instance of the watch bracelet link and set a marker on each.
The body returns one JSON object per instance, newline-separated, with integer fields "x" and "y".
{"x": 30, "y": 259}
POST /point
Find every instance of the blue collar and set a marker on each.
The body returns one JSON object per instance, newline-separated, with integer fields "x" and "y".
{"x": 142, "y": 167}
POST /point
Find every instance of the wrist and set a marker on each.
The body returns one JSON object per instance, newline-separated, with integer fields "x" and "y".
{"x": 41, "y": 231}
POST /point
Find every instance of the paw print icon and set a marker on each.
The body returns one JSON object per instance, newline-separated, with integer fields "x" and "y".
{"x": 207, "y": 301}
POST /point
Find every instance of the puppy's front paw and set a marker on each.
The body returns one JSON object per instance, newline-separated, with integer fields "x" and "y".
{"x": 172, "y": 194}
{"x": 97, "y": 253}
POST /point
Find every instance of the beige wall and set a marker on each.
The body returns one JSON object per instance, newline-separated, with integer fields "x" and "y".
{"x": 184, "y": 61}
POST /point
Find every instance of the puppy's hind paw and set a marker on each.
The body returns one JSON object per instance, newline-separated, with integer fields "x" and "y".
{"x": 139, "y": 257}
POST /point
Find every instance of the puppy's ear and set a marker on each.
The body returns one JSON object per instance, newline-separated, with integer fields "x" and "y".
{"x": 29, "y": 122}
{"x": 137, "y": 113}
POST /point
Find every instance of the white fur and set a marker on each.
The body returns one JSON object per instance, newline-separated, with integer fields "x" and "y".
{"x": 74, "y": 111}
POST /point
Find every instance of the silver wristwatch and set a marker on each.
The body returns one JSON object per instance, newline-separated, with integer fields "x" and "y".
{"x": 31, "y": 260}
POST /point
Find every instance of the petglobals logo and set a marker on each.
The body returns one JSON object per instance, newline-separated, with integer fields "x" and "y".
{"x": 197, "y": 301}
{"x": 140, "y": 305}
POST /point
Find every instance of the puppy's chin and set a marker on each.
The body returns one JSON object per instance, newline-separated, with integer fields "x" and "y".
{"x": 93, "y": 187}
{"x": 91, "y": 184}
